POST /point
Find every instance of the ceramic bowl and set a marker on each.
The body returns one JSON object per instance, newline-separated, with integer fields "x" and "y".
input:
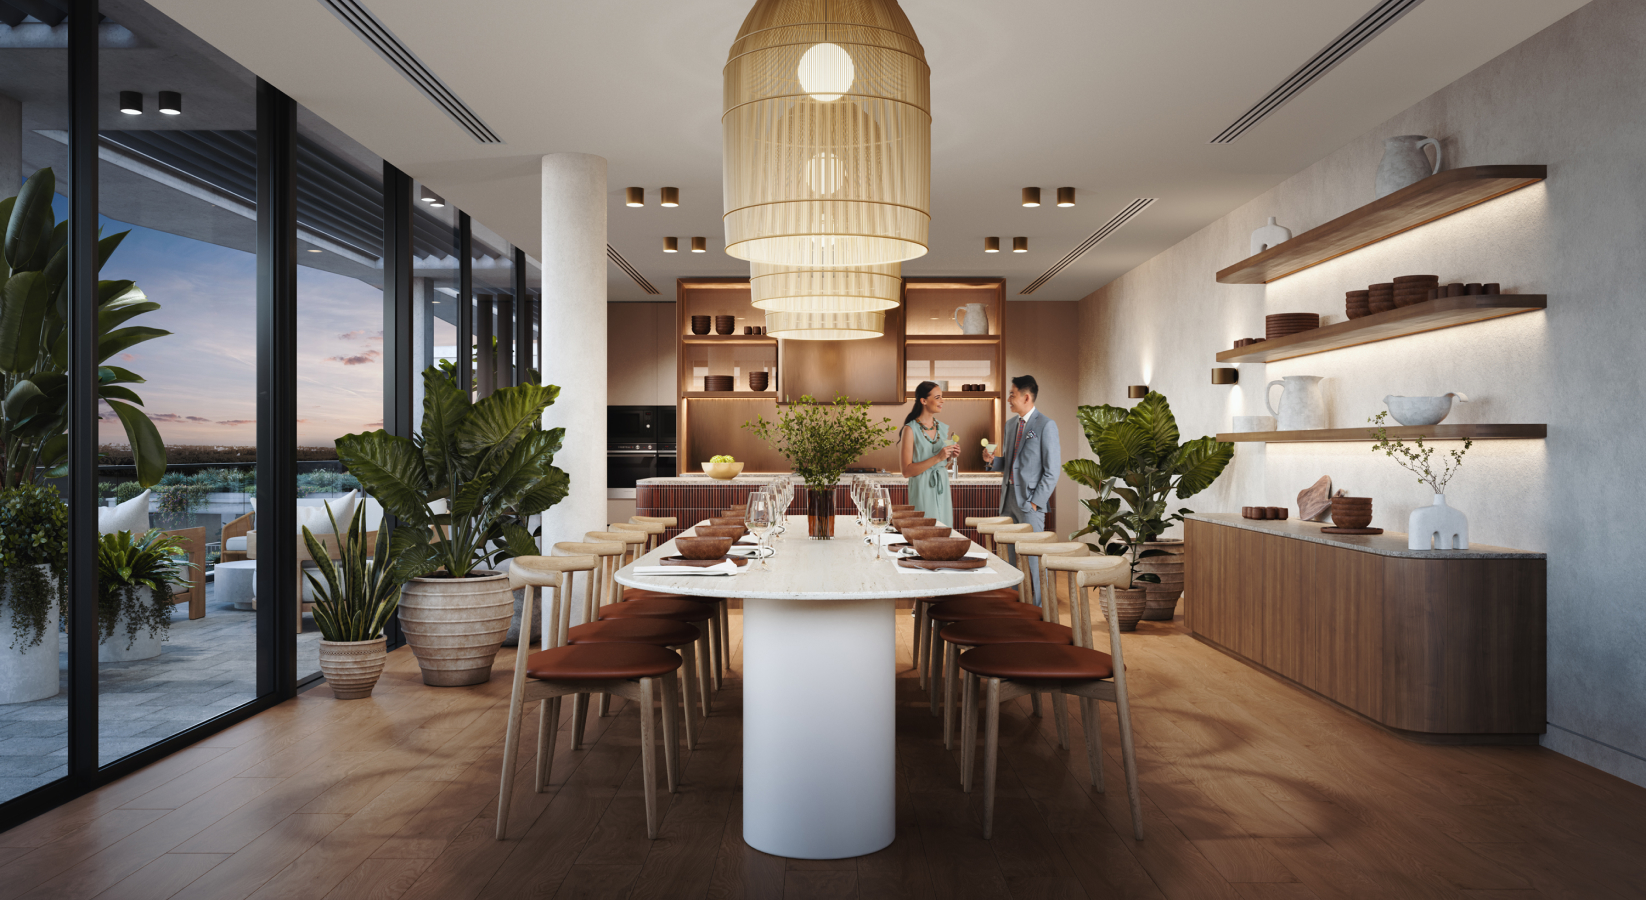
{"x": 728, "y": 520}
{"x": 903, "y": 508}
{"x": 1421, "y": 410}
{"x": 945, "y": 548}
{"x": 721, "y": 531}
{"x": 702, "y": 547}
{"x": 901, "y": 524}
{"x": 722, "y": 471}
{"x": 917, "y": 533}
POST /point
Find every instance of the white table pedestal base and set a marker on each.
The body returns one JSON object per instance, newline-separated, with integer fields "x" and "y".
{"x": 819, "y": 727}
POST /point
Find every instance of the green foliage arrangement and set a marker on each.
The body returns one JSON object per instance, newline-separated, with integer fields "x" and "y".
{"x": 127, "y": 490}
{"x": 34, "y": 343}
{"x": 1418, "y": 458}
{"x": 34, "y": 531}
{"x": 126, "y": 565}
{"x": 490, "y": 460}
{"x": 821, "y": 439}
{"x": 357, "y": 596}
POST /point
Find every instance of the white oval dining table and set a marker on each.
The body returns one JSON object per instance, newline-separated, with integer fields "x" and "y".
{"x": 819, "y": 685}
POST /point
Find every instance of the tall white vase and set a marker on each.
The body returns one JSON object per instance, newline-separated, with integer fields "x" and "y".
{"x": 28, "y": 673}
{"x": 1437, "y": 527}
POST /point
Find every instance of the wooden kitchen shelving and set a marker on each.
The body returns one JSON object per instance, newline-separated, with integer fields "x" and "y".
{"x": 1430, "y": 315}
{"x": 1406, "y": 432}
{"x": 1432, "y": 198}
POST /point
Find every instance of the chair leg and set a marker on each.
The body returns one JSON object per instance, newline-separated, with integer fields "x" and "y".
{"x": 1060, "y": 715}
{"x": 951, "y": 666}
{"x": 580, "y": 712}
{"x": 648, "y": 755}
{"x": 934, "y": 644}
{"x": 1034, "y": 705}
{"x": 511, "y": 746}
{"x": 920, "y": 623}
{"x": 548, "y": 728}
{"x": 688, "y": 683}
{"x": 717, "y": 652}
{"x": 968, "y": 730}
{"x": 1129, "y": 756}
{"x": 671, "y": 734}
{"x": 703, "y": 666}
{"x": 725, "y": 639}
{"x": 1091, "y": 715}
{"x": 602, "y": 705}
{"x": 991, "y": 754}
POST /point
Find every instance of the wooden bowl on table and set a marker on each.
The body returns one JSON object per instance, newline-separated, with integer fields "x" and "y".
{"x": 702, "y": 547}
{"x": 722, "y": 531}
{"x": 942, "y": 549}
{"x": 926, "y": 532}
{"x": 1351, "y": 512}
{"x": 905, "y": 508}
{"x": 900, "y": 524}
{"x": 728, "y": 520}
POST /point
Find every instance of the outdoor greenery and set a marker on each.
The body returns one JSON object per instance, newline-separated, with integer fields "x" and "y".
{"x": 821, "y": 439}
{"x": 490, "y": 461}
{"x": 1418, "y": 458}
{"x": 34, "y": 343}
{"x": 34, "y": 531}
{"x": 357, "y": 596}
{"x": 134, "y": 580}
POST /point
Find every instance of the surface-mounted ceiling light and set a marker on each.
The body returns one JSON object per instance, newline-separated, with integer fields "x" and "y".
{"x": 428, "y": 196}
{"x": 991, "y": 245}
{"x": 670, "y": 197}
{"x": 1020, "y": 245}
{"x": 131, "y": 103}
{"x": 171, "y": 103}
{"x": 1225, "y": 375}
{"x": 317, "y": 250}
{"x": 700, "y": 245}
{"x": 636, "y": 196}
{"x": 1137, "y": 391}
{"x": 671, "y": 245}
{"x": 1065, "y": 196}
{"x": 858, "y": 289}
{"x": 817, "y": 178}
{"x": 825, "y": 326}
{"x": 1031, "y": 196}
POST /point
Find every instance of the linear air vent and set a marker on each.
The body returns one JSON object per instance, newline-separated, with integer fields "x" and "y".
{"x": 1109, "y": 227}
{"x": 618, "y": 260}
{"x": 371, "y": 30}
{"x": 1359, "y": 34}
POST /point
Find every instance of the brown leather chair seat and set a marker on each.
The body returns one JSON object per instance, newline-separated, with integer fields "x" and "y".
{"x": 602, "y": 662}
{"x": 985, "y": 632}
{"x": 995, "y": 594}
{"x": 658, "y": 632}
{"x": 678, "y": 610}
{"x": 963, "y": 610}
{"x": 630, "y": 593}
{"x": 1038, "y": 661}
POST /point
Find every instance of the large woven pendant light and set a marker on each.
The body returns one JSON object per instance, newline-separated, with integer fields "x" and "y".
{"x": 827, "y": 131}
{"x": 824, "y": 325}
{"x": 858, "y": 289}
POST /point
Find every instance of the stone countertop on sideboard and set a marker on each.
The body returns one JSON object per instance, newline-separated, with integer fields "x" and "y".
{"x": 759, "y": 478}
{"x": 1389, "y": 543}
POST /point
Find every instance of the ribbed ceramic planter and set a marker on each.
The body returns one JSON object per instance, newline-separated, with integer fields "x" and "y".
{"x": 122, "y": 647}
{"x": 352, "y": 667}
{"x": 1163, "y": 597}
{"x": 1128, "y": 607}
{"x": 27, "y": 674}
{"x": 455, "y": 625}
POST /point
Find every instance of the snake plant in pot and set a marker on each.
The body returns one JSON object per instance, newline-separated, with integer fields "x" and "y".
{"x": 462, "y": 492}
{"x": 353, "y": 599}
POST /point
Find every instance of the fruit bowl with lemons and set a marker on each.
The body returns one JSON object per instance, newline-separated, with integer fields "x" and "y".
{"x": 722, "y": 467}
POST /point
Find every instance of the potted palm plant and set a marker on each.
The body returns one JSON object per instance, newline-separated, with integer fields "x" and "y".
{"x": 462, "y": 491}
{"x": 135, "y": 574}
{"x": 820, "y": 440}
{"x": 353, "y": 599}
{"x": 34, "y": 540}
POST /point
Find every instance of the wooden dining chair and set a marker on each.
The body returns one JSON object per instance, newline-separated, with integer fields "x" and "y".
{"x": 634, "y": 544}
{"x": 976, "y": 523}
{"x": 666, "y": 521}
{"x": 654, "y": 531}
{"x": 989, "y": 527}
{"x": 718, "y": 626}
{"x": 635, "y": 671}
{"x": 1006, "y": 543}
{"x": 607, "y": 556}
{"x": 1003, "y": 672}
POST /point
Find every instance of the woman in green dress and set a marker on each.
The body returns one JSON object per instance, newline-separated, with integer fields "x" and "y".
{"x": 925, "y": 451}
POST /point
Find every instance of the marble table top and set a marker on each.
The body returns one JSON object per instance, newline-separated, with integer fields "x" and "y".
{"x": 804, "y": 569}
{"x": 1389, "y": 543}
{"x": 759, "y": 478}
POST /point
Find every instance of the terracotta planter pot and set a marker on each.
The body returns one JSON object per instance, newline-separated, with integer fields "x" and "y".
{"x": 1129, "y": 606}
{"x": 455, "y": 625}
{"x": 1163, "y": 597}
{"x": 352, "y": 667}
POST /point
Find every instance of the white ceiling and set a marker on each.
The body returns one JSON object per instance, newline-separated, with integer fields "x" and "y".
{"x": 1118, "y": 98}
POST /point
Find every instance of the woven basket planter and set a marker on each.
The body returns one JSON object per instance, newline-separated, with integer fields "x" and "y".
{"x": 455, "y": 625}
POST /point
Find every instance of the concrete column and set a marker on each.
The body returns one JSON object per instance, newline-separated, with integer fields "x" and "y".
{"x": 574, "y": 335}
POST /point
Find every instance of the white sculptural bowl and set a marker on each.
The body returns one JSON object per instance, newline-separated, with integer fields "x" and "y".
{"x": 1421, "y": 410}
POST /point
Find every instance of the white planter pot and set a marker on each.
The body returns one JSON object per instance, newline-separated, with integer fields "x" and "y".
{"x": 455, "y": 625}
{"x": 1437, "y": 527}
{"x": 29, "y": 673}
{"x": 121, "y": 647}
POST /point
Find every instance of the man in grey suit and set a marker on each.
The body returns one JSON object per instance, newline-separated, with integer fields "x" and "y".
{"x": 1032, "y": 461}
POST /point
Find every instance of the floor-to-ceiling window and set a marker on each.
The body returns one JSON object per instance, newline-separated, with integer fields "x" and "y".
{"x": 437, "y": 289}
{"x": 492, "y": 261}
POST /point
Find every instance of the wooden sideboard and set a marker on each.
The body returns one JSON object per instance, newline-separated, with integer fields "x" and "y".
{"x": 1445, "y": 646}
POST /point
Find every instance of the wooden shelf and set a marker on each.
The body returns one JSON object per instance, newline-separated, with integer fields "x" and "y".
{"x": 1430, "y": 199}
{"x": 729, "y": 395}
{"x": 972, "y": 395}
{"x": 1430, "y": 315}
{"x": 727, "y": 339}
{"x": 1364, "y": 434}
{"x": 952, "y": 339}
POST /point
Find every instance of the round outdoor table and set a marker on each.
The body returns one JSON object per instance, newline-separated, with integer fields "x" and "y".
{"x": 236, "y": 582}
{"x": 819, "y": 685}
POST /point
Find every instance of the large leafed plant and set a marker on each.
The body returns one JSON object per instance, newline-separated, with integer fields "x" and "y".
{"x": 821, "y": 439}
{"x": 464, "y": 488}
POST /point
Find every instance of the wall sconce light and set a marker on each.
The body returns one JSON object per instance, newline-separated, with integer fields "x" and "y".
{"x": 1137, "y": 391}
{"x": 1031, "y": 197}
{"x": 671, "y": 197}
{"x": 1065, "y": 196}
{"x": 636, "y": 196}
{"x": 131, "y": 103}
{"x": 671, "y": 245}
{"x": 171, "y": 103}
{"x": 700, "y": 245}
{"x": 1020, "y": 245}
{"x": 1225, "y": 375}
{"x": 991, "y": 245}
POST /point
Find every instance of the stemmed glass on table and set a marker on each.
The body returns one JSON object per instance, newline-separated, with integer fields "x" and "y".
{"x": 880, "y": 515}
{"x": 760, "y": 518}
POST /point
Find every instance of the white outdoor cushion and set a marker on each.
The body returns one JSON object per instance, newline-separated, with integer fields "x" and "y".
{"x": 342, "y": 509}
{"x": 237, "y": 544}
{"x": 374, "y": 514}
{"x": 132, "y": 516}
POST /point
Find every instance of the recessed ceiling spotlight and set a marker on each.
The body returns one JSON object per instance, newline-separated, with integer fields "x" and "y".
{"x": 700, "y": 245}
{"x": 636, "y": 196}
{"x": 671, "y": 197}
{"x": 171, "y": 103}
{"x": 991, "y": 245}
{"x": 429, "y": 197}
{"x": 1065, "y": 196}
{"x": 131, "y": 103}
{"x": 1031, "y": 196}
{"x": 314, "y": 249}
{"x": 1020, "y": 245}
{"x": 671, "y": 245}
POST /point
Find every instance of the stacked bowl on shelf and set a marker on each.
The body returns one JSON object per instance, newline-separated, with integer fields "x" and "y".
{"x": 718, "y": 383}
{"x": 1282, "y": 324}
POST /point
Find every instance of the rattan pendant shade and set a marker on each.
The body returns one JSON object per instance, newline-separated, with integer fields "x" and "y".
{"x": 827, "y": 131}
{"x": 859, "y": 289}
{"x": 825, "y": 325}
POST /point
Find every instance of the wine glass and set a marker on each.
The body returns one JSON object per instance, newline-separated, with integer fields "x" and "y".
{"x": 759, "y": 519}
{"x": 880, "y": 515}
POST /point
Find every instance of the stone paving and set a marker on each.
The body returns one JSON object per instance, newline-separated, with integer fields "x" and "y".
{"x": 206, "y": 667}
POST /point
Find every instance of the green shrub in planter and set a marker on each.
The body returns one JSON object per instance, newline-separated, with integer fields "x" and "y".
{"x": 125, "y": 565}
{"x": 34, "y": 531}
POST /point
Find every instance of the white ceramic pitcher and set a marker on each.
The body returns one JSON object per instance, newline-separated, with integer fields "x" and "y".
{"x": 1404, "y": 163}
{"x": 1301, "y": 405}
{"x": 976, "y": 320}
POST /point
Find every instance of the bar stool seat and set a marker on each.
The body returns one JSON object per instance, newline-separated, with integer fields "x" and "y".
{"x": 987, "y": 632}
{"x": 964, "y": 610}
{"x": 602, "y": 663}
{"x": 681, "y": 610}
{"x": 660, "y": 632}
{"x": 1042, "y": 662}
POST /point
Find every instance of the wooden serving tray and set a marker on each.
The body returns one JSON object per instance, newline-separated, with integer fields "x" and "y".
{"x": 699, "y": 563}
{"x": 968, "y": 562}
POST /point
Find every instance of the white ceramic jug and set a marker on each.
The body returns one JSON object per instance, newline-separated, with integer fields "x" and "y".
{"x": 976, "y": 320}
{"x": 1404, "y": 163}
{"x": 1301, "y": 405}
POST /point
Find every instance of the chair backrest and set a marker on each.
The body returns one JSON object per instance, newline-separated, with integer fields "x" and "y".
{"x": 633, "y": 542}
{"x": 665, "y": 521}
{"x": 1038, "y": 552}
{"x": 606, "y": 554}
{"x": 556, "y": 573}
{"x": 979, "y": 521}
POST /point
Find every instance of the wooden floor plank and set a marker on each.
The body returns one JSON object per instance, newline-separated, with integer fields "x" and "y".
{"x": 379, "y": 879}
{"x": 163, "y": 877}
{"x": 244, "y": 872}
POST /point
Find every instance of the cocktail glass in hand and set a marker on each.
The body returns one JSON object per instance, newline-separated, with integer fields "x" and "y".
{"x": 760, "y": 518}
{"x": 954, "y": 461}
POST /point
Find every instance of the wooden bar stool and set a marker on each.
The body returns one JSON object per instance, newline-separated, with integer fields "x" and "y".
{"x": 721, "y": 624}
{"x": 666, "y": 521}
{"x": 632, "y": 671}
{"x": 998, "y": 604}
{"x": 1007, "y": 542}
{"x": 654, "y": 531}
{"x": 976, "y": 523}
{"x": 681, "y": 637}
{"x": 989, "y": 530}
{"x": 1006, "y": 671}
{"x": 607, "y": 555}
{"x": 634, "y": 544}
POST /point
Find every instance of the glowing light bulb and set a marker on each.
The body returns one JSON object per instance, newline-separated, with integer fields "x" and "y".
{"x": 826, "y": 72}
{"x": 825, "y": 172}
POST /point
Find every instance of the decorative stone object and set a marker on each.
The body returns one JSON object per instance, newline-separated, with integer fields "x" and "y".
{"x": 1437, "y": 527}
{"x": 1315, "y": 501}
{"x": 1269, "y": 235}
{"x": 1422, "y": 410}
{"x": 1404, "y": 163}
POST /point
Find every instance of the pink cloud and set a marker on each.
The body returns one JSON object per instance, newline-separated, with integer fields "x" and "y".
{"x": 238, "y": 422}
{"x": 361, "y": 335}
{"x": 373, "y": 425}
{"x": 197, "y": 418}
{"x": 362, "y": 359}
{"x": 165, "y": 417}
{"x": 128, "y": 357}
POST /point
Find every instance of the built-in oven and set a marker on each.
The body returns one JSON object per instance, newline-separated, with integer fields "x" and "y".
{"x": 626, "y": 464}
{"x": 640, "y": 444}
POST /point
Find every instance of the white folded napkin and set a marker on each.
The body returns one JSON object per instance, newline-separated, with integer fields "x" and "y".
{"x": 916, "y": 570}
{"x": 726, "y": 568}
{"x": 752, "y": 552}
{"x": 748, "y": 539}
{"x": 891, "y": 538}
